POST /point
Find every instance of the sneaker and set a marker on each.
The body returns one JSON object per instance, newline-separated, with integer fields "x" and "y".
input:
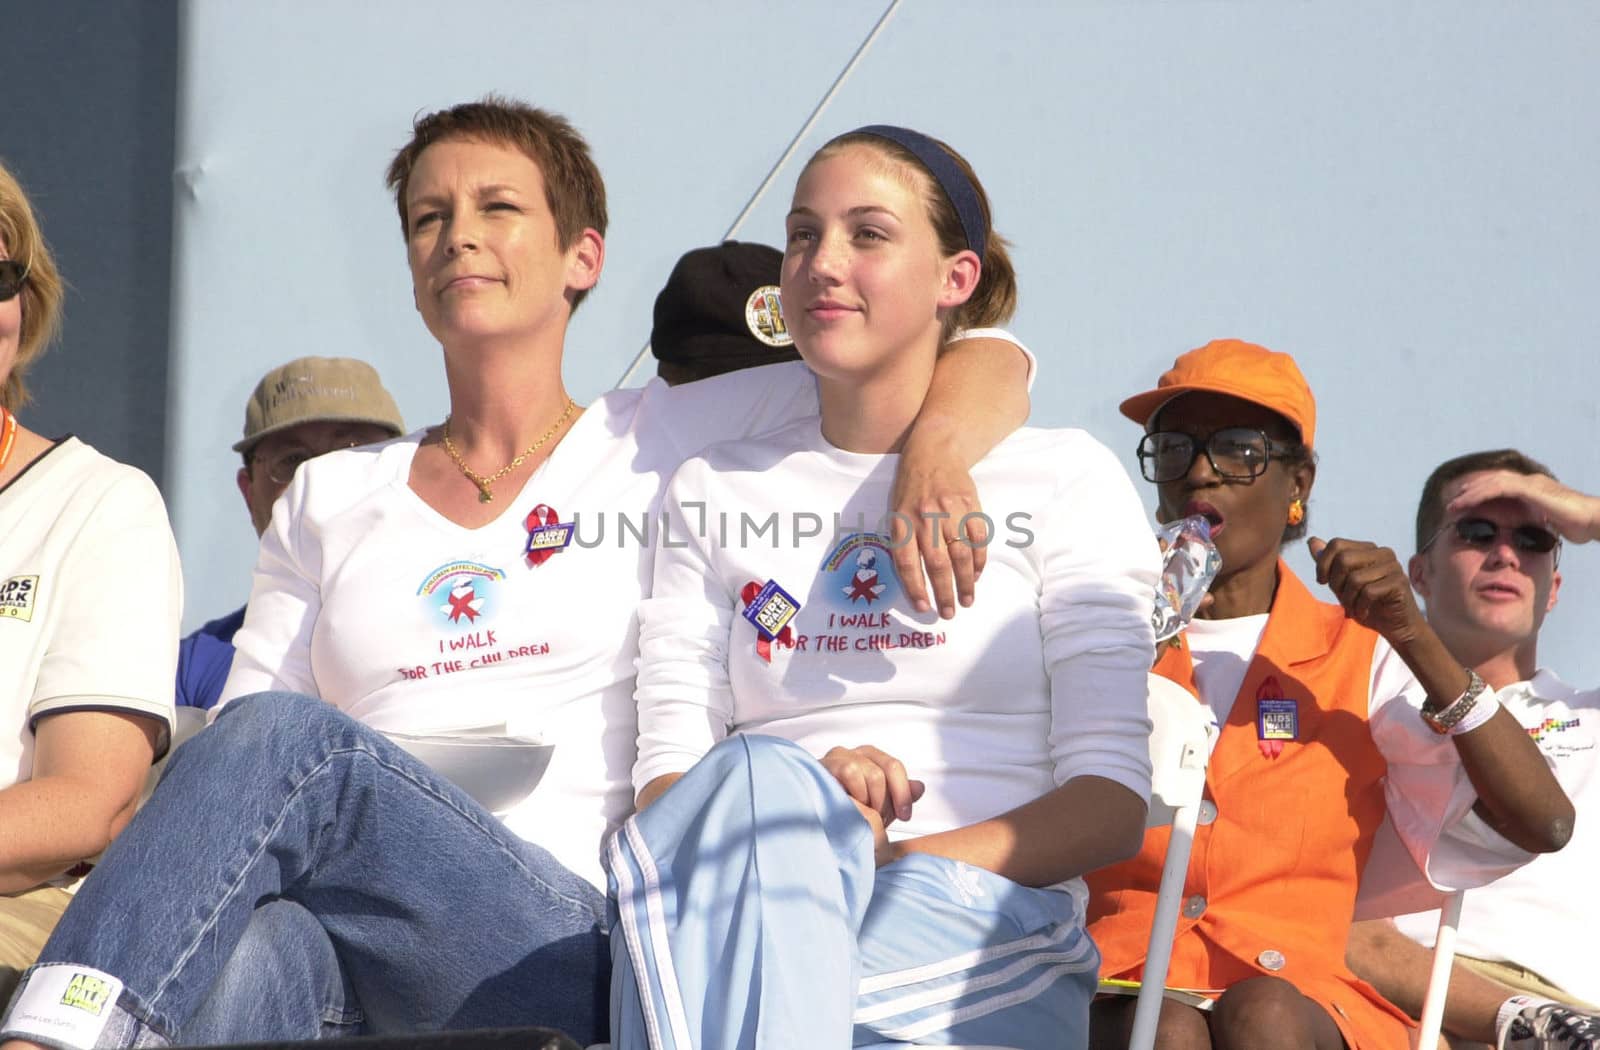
{"x": 1551, "y": 1026}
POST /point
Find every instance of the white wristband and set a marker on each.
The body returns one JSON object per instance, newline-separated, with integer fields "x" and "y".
{"x": 1488, "y": 703}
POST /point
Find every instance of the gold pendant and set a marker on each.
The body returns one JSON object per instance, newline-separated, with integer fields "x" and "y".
{"x": 485, "y": 496}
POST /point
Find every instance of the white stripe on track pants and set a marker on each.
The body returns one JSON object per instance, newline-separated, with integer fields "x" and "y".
{"x": 746, "y": 912}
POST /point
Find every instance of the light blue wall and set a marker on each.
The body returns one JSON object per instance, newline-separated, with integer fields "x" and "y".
{"x": 1402, "y": 195}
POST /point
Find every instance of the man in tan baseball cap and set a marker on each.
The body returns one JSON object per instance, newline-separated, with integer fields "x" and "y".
{"x": 297, "y": 412}
{"x": 301, "y": 410}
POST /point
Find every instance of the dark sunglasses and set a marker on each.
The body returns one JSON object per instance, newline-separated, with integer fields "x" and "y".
{"x": 12, "y": 277}
{"x": 1481, "y": 534}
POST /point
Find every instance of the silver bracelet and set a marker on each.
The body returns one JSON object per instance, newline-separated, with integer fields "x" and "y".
{"x": 1445, "y": 720}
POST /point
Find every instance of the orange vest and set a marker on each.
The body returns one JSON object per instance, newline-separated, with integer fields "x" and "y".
{"x": 1272, "y": 880}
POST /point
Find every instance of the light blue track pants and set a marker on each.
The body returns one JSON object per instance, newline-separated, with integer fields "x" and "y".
{"x": 746, "y": 912}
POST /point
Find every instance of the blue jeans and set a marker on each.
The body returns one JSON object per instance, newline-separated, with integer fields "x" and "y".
{"x": 366, "y": 886}
{"x": 284, "y": 978}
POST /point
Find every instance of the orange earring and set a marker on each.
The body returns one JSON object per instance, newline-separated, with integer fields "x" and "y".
{"x": 1297, "y": 512}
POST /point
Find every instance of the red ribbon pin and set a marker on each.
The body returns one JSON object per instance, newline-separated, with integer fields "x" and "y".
{"x": 538, "y": 518}
{"x": 785, "y": 638}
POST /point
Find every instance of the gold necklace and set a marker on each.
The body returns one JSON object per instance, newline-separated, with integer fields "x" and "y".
{"x": 483, "y": 481}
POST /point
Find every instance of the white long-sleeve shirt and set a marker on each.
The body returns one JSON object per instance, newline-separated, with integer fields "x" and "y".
{"x": 1043, "y": 679}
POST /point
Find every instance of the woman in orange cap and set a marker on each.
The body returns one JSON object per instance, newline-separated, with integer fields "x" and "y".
{"x": 1330, "y": 717}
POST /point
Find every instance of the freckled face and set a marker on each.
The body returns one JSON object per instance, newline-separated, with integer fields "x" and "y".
{"x": 482, "y": 244}
{"x": 863, "y": 277}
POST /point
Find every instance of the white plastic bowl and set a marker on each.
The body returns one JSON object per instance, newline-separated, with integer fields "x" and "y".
{"x": 497, "y": 771}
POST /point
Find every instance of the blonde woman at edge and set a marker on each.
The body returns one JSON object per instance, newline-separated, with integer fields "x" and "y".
{"x": 90, "y": 597}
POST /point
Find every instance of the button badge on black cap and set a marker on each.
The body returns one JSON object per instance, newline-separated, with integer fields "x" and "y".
{"x": 763, "y": 315}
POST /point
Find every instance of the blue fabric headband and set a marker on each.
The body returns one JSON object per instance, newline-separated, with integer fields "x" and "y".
{"x": 963, "y": 195}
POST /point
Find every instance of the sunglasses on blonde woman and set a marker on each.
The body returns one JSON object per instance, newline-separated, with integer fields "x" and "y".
{"x": 12, "y": 276}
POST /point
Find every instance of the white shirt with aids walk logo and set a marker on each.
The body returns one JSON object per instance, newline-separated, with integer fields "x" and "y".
{"x": 1539, "y": 916}
{"x": 1041, "y": 680}
{"x": 366, "y": 597}
{"x": 90, "y": 596}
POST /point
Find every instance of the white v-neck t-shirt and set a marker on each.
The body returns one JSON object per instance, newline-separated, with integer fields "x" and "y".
{"x": 370, "y": 599}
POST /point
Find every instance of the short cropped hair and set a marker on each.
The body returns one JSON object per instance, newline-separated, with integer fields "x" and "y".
{"x": 1430, "y": 508}
{"x": 573, "y": 188}
{"x": 42, "y": 288}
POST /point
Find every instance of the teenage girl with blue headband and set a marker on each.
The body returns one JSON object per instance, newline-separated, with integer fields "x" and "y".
{"x": 860, "y": 825}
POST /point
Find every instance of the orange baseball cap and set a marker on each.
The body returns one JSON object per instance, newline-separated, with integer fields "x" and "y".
{"x": 1244, "y": 370}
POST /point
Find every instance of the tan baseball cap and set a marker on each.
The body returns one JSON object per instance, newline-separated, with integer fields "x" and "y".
{"x": 318, "y": 390}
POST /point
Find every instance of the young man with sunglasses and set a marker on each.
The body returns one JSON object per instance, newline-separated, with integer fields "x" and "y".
{"x": 297, "y": 412}
{"x": 1489, "y": 531}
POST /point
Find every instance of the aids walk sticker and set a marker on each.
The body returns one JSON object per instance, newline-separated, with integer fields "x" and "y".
{"x": 460, "y": 593}
{"x": 64, "y": 1004}
{"x": 860, "y": 573}
{"x": 88, "y": 993}
{"x": 1277, "y": 718}
{"x": 770, "y": 608}
{"x": 17, "y": 597}
{"x": 548, "y": 535}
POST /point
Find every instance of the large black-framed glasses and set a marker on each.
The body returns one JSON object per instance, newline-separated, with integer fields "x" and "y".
{"x": 12, "y": 277}
{"x": 1237, "y": 453}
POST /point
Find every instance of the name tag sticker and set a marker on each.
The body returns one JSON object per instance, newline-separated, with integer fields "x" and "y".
{"x": 771, "y": 610}
{"x": 64, "y": 1004}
